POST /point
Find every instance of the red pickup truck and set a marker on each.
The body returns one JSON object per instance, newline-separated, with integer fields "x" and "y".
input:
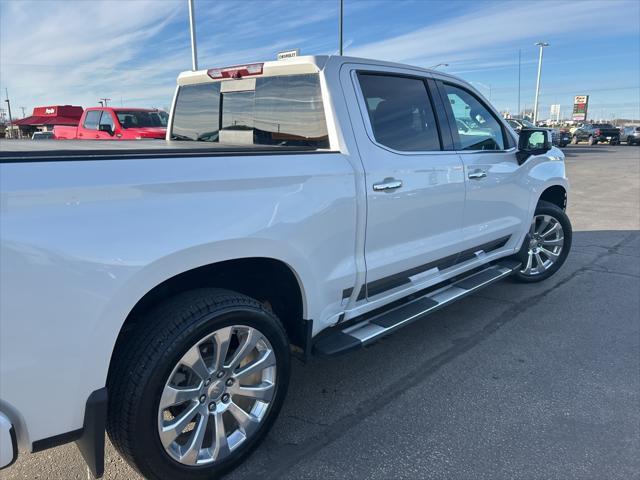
{"x": 107, "y": 123}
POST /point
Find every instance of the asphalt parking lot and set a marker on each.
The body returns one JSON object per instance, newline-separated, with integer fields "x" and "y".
{"x": 518, "y": 381}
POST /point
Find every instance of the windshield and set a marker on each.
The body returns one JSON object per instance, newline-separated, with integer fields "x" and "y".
{"x": 138, "y": 119}
{"x": 281, "y": 110}
{"x": 163, "y": 117}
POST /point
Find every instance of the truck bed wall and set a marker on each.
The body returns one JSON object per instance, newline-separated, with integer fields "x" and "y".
{"x": 83, "y": 241}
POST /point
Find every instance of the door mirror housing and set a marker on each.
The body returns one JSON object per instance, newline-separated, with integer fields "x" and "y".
{"x": 532, "y": 141}
{"x": 106, "y": 128}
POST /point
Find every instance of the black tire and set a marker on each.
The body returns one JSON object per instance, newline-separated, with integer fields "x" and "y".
{"x": 144, "y": 359}
{"x": 592, "y": 141}
{"x": 614, "y": 141}
{"x": 552, "y": 210}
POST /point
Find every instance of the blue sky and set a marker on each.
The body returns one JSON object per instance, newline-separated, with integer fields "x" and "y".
{"x": 59, "y": 52}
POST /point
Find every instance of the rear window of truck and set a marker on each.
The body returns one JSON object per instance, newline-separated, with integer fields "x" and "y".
{"x": 281, "y": 110}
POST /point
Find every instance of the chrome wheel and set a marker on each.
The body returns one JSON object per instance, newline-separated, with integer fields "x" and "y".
{"x": 546, "y": 239}
{"x": 217, "y": 395}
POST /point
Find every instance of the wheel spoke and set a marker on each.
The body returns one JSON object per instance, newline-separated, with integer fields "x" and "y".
{"x": 193, "y": 360}
{"x": 539, "y": 263}
{"x": 553, "y": 229}
{"x": 527, "y": 268}
{"x": 192, "y": 451}
{"x": 556, "y": 242}
{"x": 267, "y": 359}
{"x": 243, "y": 350}
{"x": 263, "y": 392}
{"x": 170, "y": 432}
{"x": 247, "y": 422}
{"x": 543, "y": 224}
{"x": 175, "y": 396}
{"x": 221, "y": 445}
{"x": 552, "y": 256}
{"x": 222, "y": 338}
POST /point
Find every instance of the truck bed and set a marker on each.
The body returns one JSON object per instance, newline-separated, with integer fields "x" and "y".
{"x": 16, "y": 151}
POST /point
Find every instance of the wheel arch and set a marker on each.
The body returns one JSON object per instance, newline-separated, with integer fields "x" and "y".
{"x": 556, "y": 194}
{"x": 270, "y": 281}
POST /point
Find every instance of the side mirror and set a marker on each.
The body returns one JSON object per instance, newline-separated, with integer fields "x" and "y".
{"x": 532, "y": 141}
{"x": 105, "y": 128}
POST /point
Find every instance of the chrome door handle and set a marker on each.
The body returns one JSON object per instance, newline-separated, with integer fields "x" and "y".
{"x": 477, "y": 174}
{"x": 387, "y": 184}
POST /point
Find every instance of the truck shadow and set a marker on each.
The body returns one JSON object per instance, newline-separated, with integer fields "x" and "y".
{"x": 330, "y": 396}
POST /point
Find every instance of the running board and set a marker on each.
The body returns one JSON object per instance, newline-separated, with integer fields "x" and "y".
{"x": 374, "y": 328}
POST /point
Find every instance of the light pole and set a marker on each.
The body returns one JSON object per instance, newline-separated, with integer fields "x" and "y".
{"x": 433, "y": 67}
{"x": 192, "y": 28}
{"x": 535, "y": 104}
{"x": 9, "y": 109}
{"x": 519, "y": 68}
{"x": 340, "y": 27}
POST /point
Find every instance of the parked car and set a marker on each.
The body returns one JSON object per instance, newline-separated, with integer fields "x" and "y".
{"x": 596, "y": 132}
{"x": 631, "y": 135}
{"x": 42, "y": 136}
{"x": 107, "y": 123}
{"x": 176, "y": 278}
{"x": 559, "y": 137}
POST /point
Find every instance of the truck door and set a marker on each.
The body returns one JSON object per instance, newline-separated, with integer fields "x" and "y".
{"x": 88, "y": 130}
{"x": 107, "y": 120}
{"x": 414, "y": 185}
{"x": 497, "y": 198}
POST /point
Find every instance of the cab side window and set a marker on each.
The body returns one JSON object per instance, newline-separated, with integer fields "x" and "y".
{"x": 92, "y": 119}
{"x": 107, "y": 119}
{"x": 476, "y": 126}
{"x": 400, "y": 112}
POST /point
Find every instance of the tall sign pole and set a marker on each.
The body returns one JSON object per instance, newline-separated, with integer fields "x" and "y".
{"x": 535, "y": 105}
{"x": 192, "y": 27}
{"x": 340, "y": 28}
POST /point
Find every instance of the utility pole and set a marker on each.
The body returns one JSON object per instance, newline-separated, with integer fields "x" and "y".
{"x": 9, "y": 110}
{"x": 103, "y": 101}
{"x": 340, "y": 27}
{"x": 23, "y": 115}
{"x": 192, "y": 27}
{"x": 535, "y": 105}
{"x": 519, "y": 70}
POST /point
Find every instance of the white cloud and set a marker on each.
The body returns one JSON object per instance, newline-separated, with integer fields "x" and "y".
{"x": 483, "y": 32}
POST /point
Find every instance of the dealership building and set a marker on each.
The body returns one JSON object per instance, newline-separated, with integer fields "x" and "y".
{"x": 45, "y": 118}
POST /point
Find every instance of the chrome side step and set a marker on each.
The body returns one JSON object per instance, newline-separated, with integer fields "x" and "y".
{"x": 371, "y": 329}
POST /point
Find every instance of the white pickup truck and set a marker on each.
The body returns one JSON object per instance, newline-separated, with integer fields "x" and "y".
{"x": 309, "y": 206}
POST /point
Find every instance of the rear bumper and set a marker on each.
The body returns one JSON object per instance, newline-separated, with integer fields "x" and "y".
{"x": 606, "y": 138}
{"x": 8, "y": 442}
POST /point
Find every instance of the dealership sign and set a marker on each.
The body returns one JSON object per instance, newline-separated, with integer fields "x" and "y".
{"x": 580, "y": 105}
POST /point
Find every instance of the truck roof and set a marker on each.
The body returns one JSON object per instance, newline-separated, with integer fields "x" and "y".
{"x": 124, "y": 109}
{"x": 298, "y": 65}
